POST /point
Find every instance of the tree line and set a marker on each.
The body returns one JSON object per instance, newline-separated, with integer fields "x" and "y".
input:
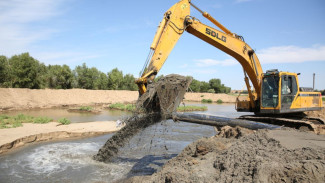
{"x": 23, "y": 71}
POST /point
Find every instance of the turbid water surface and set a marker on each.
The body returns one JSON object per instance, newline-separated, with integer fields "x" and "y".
{"x": 71, "y": 161}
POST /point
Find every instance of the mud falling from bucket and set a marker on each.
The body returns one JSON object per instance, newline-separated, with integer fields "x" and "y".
{"x": 159, "y": 102}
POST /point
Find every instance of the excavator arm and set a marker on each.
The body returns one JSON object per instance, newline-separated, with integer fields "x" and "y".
{"x": 176, "y": 21}
{"x": 169, "y": 31}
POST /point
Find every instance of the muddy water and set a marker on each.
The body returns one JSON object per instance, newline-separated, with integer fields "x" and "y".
{"x": 75, "y": 117}
{"x": 71, "y": 161}
{"x": 224, "y": 110}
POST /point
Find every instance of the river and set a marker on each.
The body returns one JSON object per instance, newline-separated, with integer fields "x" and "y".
{"x": 71, "y": 161}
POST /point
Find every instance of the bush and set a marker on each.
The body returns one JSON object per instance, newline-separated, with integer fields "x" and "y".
{"x": 219, "y": 101}
{"x": 192, "y": 108}
{"x": 16, "y": 121}
{"x": 64, "y": 121}
{"x": 211, "y": 91}
{"x": 23, "y": 118}
{"x": 206, "y": 101}
{"x": 42, "y": 120}
{"x": 2, "y": 117}
{"x": 123, "y": 107}
{"x": 85, "y": 108}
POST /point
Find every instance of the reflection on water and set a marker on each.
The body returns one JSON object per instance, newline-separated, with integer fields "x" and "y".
{"x": 223, "y": 110}
{"x": 71, "y": 161}
{"x": 57, "y": 113}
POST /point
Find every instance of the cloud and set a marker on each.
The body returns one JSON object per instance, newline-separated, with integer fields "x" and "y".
{"x": 18, "y": 20}
{"x": 212, "y": 62}
{"x": 183, "y": 66}
{"x": 22, "y": 11}
{"x": 291, "y": 54}
{"x": 278, "y": 54}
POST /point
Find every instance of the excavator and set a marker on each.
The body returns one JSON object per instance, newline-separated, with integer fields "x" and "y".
{"x": 274, "y": 93}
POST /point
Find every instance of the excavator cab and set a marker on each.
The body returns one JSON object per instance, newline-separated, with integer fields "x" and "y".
{"x": 270, "y": 90}
{"x": 281, "y": 94}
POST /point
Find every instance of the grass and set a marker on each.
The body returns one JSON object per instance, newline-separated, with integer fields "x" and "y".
{"x": 17, "y": 120}
{"x": 64, "y": 121}
{"x": 206, "y": 101}
{"x": 131, "y": 107}
{"x": 192, "y": 108}
{"x": 86, "y": 108}
{"x": 42, "y": 120}
{"x": 323, "y": 99}
{"x": 219, "y": 101}
{"x": 123, "y": 107}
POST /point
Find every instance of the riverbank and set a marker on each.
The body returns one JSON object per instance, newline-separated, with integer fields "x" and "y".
{"x": 21, "y": 99}
{"x": 13, "y": 138}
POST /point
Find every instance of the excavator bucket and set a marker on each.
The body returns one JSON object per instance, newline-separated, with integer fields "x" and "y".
{"x": 165, "y": 95}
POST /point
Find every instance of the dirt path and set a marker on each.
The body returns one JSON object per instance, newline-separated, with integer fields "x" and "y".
{"x": 12, "y": 138}
{"x": 18, "y": 99}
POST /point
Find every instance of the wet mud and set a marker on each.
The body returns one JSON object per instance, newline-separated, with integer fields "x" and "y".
{"x": 241, "y": 155}
{"x": 165, "y": 95}
{"x": 159, "y": 102}
{"x": 134, "y": 125}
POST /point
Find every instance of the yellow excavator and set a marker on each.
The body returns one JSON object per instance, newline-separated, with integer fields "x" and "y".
{"x": 273, "y": 92}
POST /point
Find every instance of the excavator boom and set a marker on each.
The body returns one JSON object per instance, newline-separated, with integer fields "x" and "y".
{"x": 176, "y": 21}
{"x": 267, "y": 94}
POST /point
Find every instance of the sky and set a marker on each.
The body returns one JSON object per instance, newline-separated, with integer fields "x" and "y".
{"x": 288, "y": 35}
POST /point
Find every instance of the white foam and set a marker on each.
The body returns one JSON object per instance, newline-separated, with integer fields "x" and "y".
{"x": 58, "y": 157}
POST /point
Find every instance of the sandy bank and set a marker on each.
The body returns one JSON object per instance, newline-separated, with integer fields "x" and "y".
{"x": 17, "y": 137}
{"x": 17, "y": 98}
{"x": 197, "y": 97}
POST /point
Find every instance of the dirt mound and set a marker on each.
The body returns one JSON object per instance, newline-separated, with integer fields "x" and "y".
{"x": 255, "y": 157}
{"x": 317, "y": 114}
{"x": 236, "y": 132}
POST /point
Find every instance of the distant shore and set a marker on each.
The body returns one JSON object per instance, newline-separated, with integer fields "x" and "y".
{"x": 21, "y": 99}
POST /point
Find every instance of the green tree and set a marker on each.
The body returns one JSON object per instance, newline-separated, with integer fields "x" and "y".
{"x": 86, "y": 77}
{"x": 102, "y": 81}
{"x": 115, "y": 79}
{"x": 26, "y": 72}
{"x": 195, "y": 85}
{"x": 204, "y": 86}
{"x": 4, "y": 71}
{"x": 216, "y": 85}
{"x": 129, "y": 83}
{"x": 60, "y": 77}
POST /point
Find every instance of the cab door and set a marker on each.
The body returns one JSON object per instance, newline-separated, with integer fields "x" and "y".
{"x": 289, "y": 90}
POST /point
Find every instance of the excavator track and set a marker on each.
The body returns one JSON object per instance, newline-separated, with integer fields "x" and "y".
{"x": 317, "y": 125}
